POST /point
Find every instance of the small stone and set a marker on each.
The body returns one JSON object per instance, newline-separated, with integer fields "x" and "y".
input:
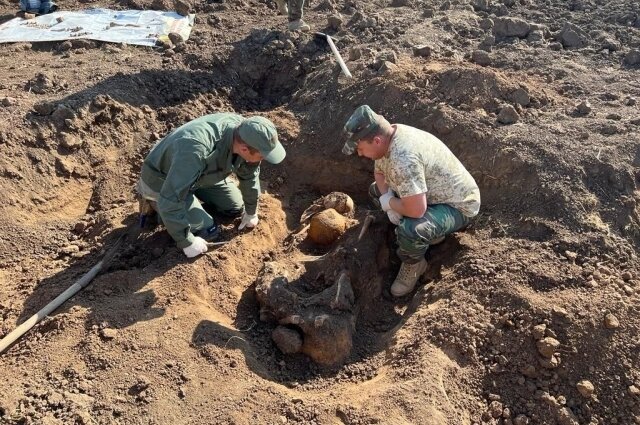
{"x": 182, "y": 393}
{"x": 511, "y": 27}
{"x": 387, "y": 68}
{"x": 570, "y": 255}
{"x": 79, "y": 227}
{"x": 632, "y": 57}
{"x": 506, "y": 413}
{"x": 521, "y": 420}
{"x": 422, "y": 51}
{"x": 8, "y": 101}
{"x": 481, "y": 57}
{"x": 530, "y": 371}
{"x": 70, "y": 141}
{"x": 428, "y": 13}
{"x": 82, "y": 43}
{"x": 626, "y": 276}
{"x": 548, "y": 346}
{"x": 634, "y": 391}
{"x": 538, "y": 331}
{"x": 175, "y": 38}
{"x": 486, "y": 24}
{"x": 567, "y": 417}
{"x": 585, "y": 388}
{"x": 551, "y": 363}
{"x": 481, "y": 5}
{"x": 108, "y": 333}
{"x": 183, "y": 8}
{"x": 521, "y": 97}
{"x": 549, "y": 399}
{"x": 572, "y": 37}
{"x": 70, "y": 249}
{"x": 165, "y": 44}
{"x": 335, "y": 22}
{"x": 495, "y": 409}
{"x": 508, "y": 115}
{"x": 29, "y": 15}
{"x": 142, "y": 383}
{"x": 583, "y": 108}
{"x": 611, "y": 321}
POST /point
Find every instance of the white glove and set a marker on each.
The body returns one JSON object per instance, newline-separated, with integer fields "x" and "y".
{"x": 199, "y": 246}
{"x": 385, "y": 199}
{"x": 394, "y": 216}
{"x": 249, "y": 221}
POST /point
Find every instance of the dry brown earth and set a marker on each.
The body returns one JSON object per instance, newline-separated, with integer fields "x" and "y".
{"x": 531, "y": 316}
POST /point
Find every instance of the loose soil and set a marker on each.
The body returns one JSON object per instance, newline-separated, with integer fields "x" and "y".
{"x": 538, "y": 98}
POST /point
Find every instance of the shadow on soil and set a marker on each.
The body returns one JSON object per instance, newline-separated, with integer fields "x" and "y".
{"x": 261, "y": 72}
{"x": 116, "y": 296}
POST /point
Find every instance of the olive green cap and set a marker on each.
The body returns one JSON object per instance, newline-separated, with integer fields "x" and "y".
{"x": 261, "y": 134}
{"x": 362, "y": 124}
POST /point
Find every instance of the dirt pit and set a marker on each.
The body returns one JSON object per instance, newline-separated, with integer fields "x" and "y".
{"x": 530, "y": 316}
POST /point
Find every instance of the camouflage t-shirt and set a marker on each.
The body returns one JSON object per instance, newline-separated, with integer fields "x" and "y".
{"x": 418, "y": 162}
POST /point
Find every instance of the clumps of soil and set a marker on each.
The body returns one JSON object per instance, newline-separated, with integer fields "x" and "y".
{"x": 43, "y": 84}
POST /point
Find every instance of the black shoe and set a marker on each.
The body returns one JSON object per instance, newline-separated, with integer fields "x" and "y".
{"x": 211, "y": 234}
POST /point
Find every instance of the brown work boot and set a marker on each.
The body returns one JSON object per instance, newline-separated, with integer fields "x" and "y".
{"x": 282, "y": 7}
{"x": 299, "y": 25}
{"x": 408, "y": 277}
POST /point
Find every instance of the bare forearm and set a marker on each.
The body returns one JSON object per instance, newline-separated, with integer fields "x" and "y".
{"x": 381, "y": 182}
{"x": 409, "y": 207}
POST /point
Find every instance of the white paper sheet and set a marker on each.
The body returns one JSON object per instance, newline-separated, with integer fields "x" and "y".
{"x": 141, "y": 27}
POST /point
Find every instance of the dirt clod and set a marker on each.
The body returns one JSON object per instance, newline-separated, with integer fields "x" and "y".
{"x": 585, "y": 388}
{"x": 611, "y": 321}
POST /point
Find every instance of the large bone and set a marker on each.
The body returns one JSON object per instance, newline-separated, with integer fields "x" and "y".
{"x": 324, "y": 321}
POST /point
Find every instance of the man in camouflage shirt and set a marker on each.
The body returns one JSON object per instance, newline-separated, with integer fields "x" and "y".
{"x": 423, "y": 187}
{"x": 190, "y": 167}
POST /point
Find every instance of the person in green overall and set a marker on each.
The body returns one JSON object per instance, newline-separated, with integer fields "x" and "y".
{"x": 424, "y": 189}
{"x": 191, "y": 166}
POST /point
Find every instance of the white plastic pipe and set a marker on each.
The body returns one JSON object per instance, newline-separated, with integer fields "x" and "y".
{"x": 60, "y": 299}
{"x": 71, "y": 291}
{"x": 343, "y": 66}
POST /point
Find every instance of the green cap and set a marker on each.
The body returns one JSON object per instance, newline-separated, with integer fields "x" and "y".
{"x": 362, "y": 123}
{"x": 261, "y": 134}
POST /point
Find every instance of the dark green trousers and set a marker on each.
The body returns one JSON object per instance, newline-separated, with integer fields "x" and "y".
{"x": 224, "y": 198}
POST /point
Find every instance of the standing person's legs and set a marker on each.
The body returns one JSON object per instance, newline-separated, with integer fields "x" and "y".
{"x": 295, "y": 16}
{"x": 225, "y": 198}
